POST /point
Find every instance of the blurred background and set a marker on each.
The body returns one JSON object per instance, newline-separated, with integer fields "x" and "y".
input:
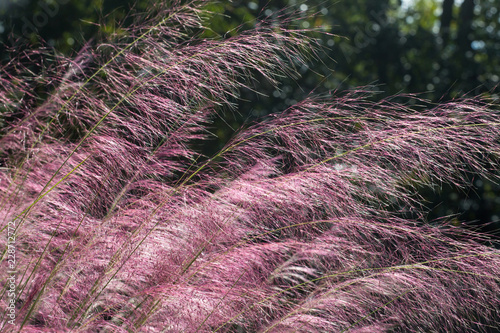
{"x": 438, "y": 49}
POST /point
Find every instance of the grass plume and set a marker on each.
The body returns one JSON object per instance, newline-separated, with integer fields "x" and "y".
{"x": 295, "y": 226}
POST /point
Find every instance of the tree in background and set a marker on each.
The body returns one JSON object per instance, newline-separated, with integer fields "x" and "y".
{"x": 62, "y": 24}
{"x": 440, "y": 50}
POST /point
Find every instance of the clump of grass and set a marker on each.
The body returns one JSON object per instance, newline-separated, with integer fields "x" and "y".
{"x": 294, "y": 226}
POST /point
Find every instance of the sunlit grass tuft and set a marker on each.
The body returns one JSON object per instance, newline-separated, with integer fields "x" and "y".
{"x": 295, "y": 226}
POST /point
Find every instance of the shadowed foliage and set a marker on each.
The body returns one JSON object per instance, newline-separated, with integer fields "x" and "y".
{"x": 295, "y": 226}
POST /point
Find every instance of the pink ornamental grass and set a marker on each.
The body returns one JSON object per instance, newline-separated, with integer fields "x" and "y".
{"x": 295, "y": 226}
